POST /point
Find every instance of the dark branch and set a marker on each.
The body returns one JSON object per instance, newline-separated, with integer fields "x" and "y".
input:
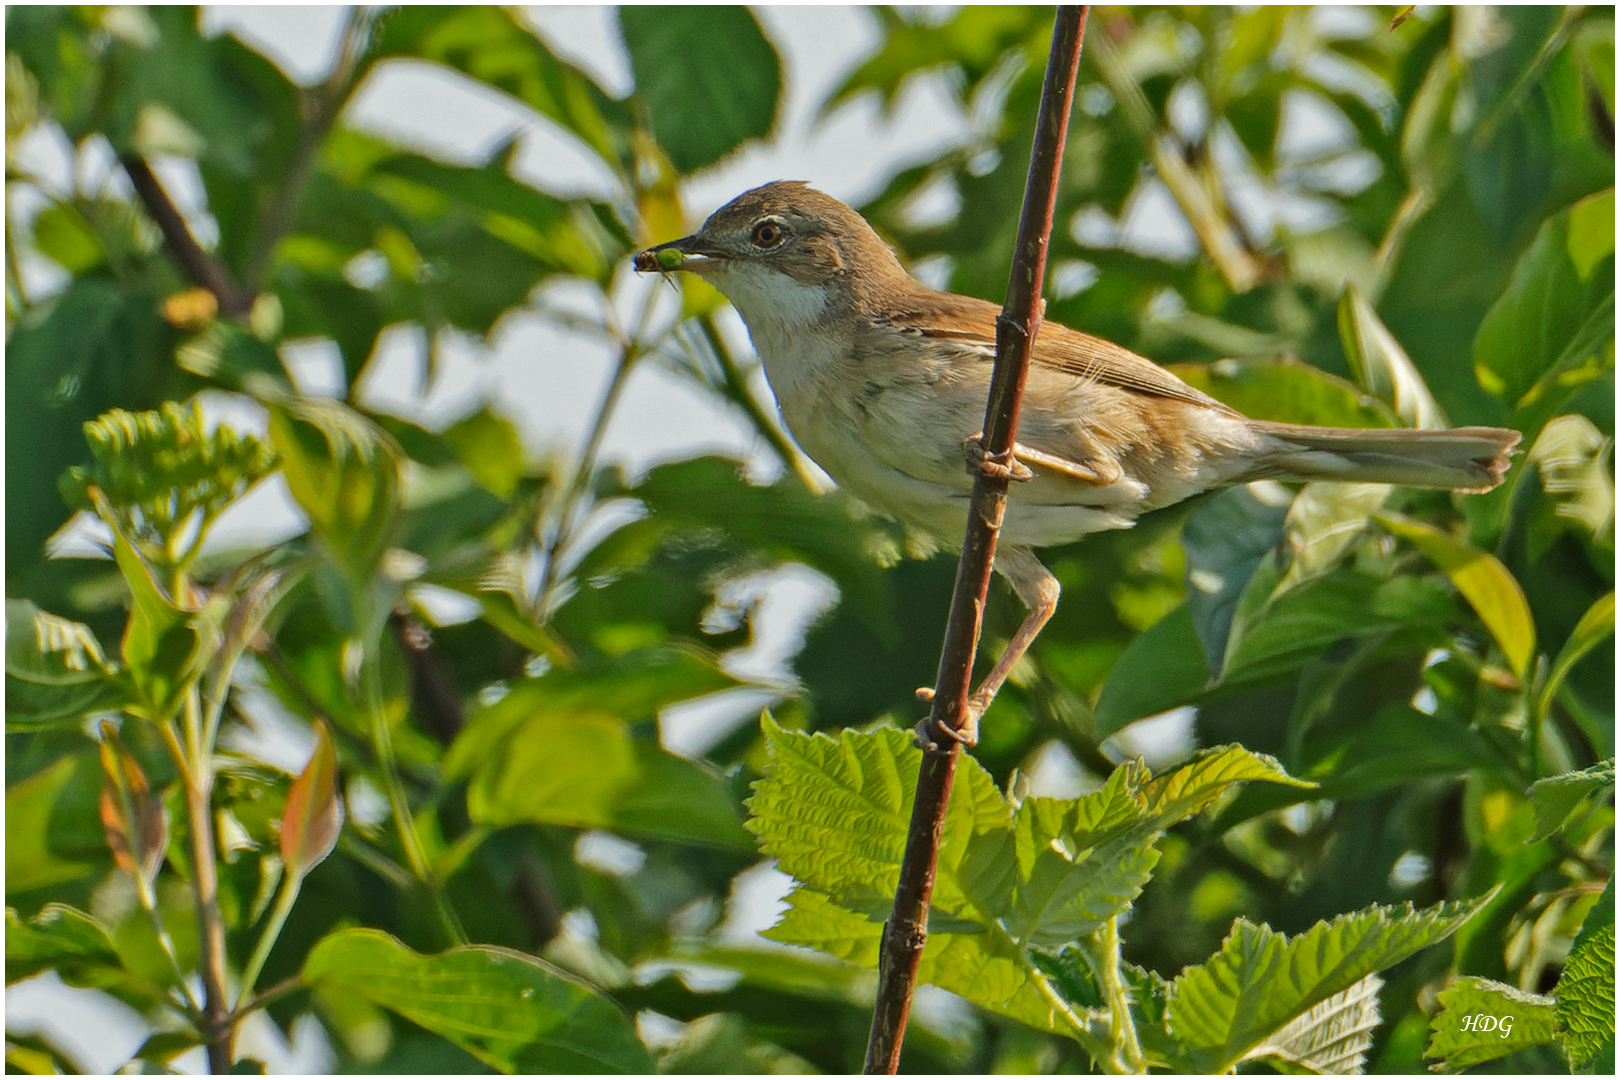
{"x": 202, "y": 268}
{"x": 907, "y": 929}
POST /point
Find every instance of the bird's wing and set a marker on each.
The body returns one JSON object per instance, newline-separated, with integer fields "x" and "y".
{"x": 971, "y": 323}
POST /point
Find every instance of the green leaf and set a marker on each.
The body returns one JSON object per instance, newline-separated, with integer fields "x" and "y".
{"x": 626, "y": 688}
{"x": 314, "y": 815}
{"x": 1286, "y": 393}
{"x": 344, "y": 473}
{"x": 62, "y": 234}
{"x": 1260, "y": 980}
{"x": 1585, "y": 994}
{"x": 50, "y": 650}
{"x": 1596, "y": 625}
{"x": 490, "y": 45}
{"x": 835, "y": 812}
{"x": 489, "y": 447}
{"x": 60, "y": 937}
{"x": 513, "y": 1012}
{"x": 1539, "y": 324}
{"x": 1382, "y": 367}
{"x": 76, "y": 946}
{"x": 1225, "y": 538}
{"x": 1459, "y": 1035}
{"x": 164, "y": 652}
{"x": 1164, "y": 666}
{"x": 61, "y": 796}
{"x": 708, "y": 75}
{"x": 1483, "y": 581}
{"x": 1558, "y": 799}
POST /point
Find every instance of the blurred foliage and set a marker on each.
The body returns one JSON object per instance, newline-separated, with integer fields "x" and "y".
{"x": 1310, "y": 213}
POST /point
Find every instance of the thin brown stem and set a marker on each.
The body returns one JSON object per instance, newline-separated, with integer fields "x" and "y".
{"x": 202, "y": 268}
{"x": 907, "y": 929}
{"x": 321, "y": 109}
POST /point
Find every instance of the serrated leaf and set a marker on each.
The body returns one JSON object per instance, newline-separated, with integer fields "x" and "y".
{"x": 48, "y": 649}
{"x": 1585, "y": 994}
{"x": 1260, "y": 980}
{"x": 513, "y": 1012}
{"x": 964, "y": 964}
{"x": 1483, "y": 581}
{"x": 314, "y": 815}
{"x": 135, "y": 820}
{"x": 1333, "y": 1037}
{"x": 1459, "y": 1036}
{"x": 834, "y": 813}
{"x": 1557, "y": 799}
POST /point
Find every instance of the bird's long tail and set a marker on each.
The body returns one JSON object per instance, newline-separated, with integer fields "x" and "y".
{"x": 1465, "y": 459}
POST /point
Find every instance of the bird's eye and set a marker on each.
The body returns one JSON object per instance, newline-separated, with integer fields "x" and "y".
{"x": 767, "y": 234}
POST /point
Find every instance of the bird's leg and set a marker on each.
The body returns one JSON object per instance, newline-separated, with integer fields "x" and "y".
{"x": 1039, "y": 591}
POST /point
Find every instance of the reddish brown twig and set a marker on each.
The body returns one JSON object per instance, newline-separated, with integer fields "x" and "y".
{"x": 907, "y": 929}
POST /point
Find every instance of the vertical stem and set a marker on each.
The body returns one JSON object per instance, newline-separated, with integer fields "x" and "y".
{"x": 267, "y": 940}
{"x": 217, "y": 1028}
{"x": 628, "y": 355}
{"x": 382, "y": 741}
{"x": 906, "y": 932}
{"x": 1127, "y": 1048}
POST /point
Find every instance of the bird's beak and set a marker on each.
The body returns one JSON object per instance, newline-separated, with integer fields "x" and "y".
{"x": 688, "y": 253}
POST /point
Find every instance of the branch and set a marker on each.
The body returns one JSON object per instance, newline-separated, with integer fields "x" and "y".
{"x": 907, "y": 929}
{"x": 321, "y": 109}
{"x": 202, "y": 268}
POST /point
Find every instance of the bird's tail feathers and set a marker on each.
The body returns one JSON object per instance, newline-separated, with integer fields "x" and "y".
{"x": 1469, "y": 459}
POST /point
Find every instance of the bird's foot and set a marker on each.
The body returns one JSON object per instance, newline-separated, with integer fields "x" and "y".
{"x": 931, "y": 736}
{"x": 996, "y": 466}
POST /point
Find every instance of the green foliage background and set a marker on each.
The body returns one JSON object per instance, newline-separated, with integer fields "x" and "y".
{"x": 1438, "y": 665}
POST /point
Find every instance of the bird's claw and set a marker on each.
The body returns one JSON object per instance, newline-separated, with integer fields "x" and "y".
{"x": 996, "y": 466}
{"x": 925, "y": 694}
{"x": 931, "y": 736}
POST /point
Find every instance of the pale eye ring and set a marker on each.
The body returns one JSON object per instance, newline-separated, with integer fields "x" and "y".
{"x": 768, "y": 233}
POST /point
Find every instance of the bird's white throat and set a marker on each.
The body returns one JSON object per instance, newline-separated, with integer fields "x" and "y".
{"x": 770, "y": 298}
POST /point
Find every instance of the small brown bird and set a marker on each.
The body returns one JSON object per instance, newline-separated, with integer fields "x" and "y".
{"x": 883, "y": 382}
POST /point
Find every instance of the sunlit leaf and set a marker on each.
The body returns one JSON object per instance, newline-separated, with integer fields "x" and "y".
{"x": 1260, "y": 980}
{"x": 1553, "y": 317}
{"x": 1333, "y": 1037}
{"x": 1483, "y": 581}
{"x": 45, "y": 648}
{"x": 1585, "y": 994}
{"x": 513, "y": 1012}
{"x": 75, "y": 945}
{"x": 1382, "y": 367}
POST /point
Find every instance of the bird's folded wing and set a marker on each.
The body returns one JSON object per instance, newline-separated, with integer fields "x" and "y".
{"x": 972, "y": 322}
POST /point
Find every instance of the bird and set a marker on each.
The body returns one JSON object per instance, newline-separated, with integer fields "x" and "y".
{"x": 883, "y": 382}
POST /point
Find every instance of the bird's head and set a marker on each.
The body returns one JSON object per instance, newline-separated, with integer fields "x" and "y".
{"x": 783, "y": 248}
